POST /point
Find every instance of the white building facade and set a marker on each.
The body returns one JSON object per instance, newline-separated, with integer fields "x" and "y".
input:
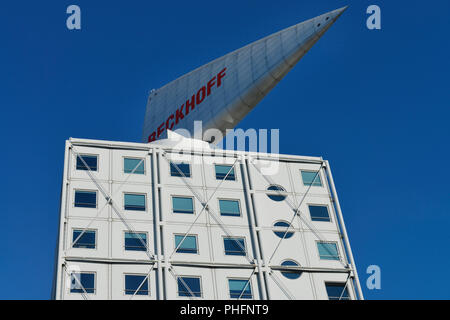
{"x": 141, "y": 221}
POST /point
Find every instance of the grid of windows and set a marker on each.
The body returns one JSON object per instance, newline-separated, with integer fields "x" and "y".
{"x": 183, "y": 205}
{"x": 133, "y": 165}
{"x": 85, "y": 199}
{"x": 328, "y": 250}
{"x": 190, "y": 286}
{"x": 136, "y": 285}
{"x": 84, "y": 239}
{"x": 319, "y": 213}
{"x": 180, "y": 170}
{"x": 87, "y": 162}
{"x": 136, "y": 241}
{"x": 234, "y": 246}
{"x": 229, "y": 208}
{"x": 134, "y": 202}
{"x": 186, "y": 244}
{"x": 225, "y": 171}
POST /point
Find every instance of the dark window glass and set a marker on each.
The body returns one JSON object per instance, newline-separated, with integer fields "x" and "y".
{"x": 234, "y": 246}
{"x": 135, "y": 282}
{"x": 135, "y": 241}
{"x": 240, "y": 289}
{"x": 184, "y": 170}
{"x": 189, "y": 244}
{"x": 134, "y": 202}
{"x": 91, "y": 162}
{"x": 86, "y": 241}
{"x": 193, "y": 283}
{"x": 274, "y": 195}
{"x": 82, "y": 280}
{"x": 86, "y": 199}
{"x": 229, "y": 208}
{"x": 223, "y": 171}
{"x": 283, "y": 227}
{"x": 137, "y": 165}
{"x": 183, "y": 205}
{"x": 337, "y": 291}
{"x": 319, "y": 213}
{"x": 290, "y": 274}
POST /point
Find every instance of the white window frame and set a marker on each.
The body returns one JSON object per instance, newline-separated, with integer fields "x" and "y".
{"x": 190, "y": 276}
{"x": 134, "y": 158}
{"x": 337, "y": 248}
{"x": 178, "y": 196}
{"x": 244, "y": 279}
{"x": 138, "y": 194}
{"x": 147, "y": 240}
{"x": 85, "y": 190}
{"x": 188, "y": 235}
{"x": 135, "y": 274}
{"x": 89, "y": 155}
{"x": 229, "y": 199}
{"x": 81, "y": 229}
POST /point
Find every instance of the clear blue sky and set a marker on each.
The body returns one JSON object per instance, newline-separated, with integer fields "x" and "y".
{"x": 374, "y": 103}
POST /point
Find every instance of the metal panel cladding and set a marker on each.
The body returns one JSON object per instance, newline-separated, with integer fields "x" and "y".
{"x": 222, "y": 92}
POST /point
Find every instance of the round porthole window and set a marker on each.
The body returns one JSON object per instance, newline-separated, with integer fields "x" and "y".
{"x": 281, "y": 230}
{"x": 291, "y": 274}
{"x": 274, "y": 193}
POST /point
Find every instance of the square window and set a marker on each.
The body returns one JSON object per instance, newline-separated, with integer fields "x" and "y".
{"x": 180, "y": 170}
{"x": 311, "y": 178}
{"x": 337, "y": 291}
{"x": 85, "y": 240}
{"x": 136, "y": 285}
{"x": 183, "y": 205}
{"x": 223, "y": 171}
{"x": 83, "y": 280}
{"x": 86, "y": 162}
{"x": 240, "y": 289}
{"x": 319, "y": 213}
{"x": 134, "y": 202}
{"x": 136, "y": 241}
{"x": 188, "y": 245}
{"x": 134, "y": 166}
{"x": 85, "y": 199}
{"x": 234, "y": 246}
{"x": 328, "y": 250}
{"x": 189, "y": 287}
{"x": 230, "y": 208}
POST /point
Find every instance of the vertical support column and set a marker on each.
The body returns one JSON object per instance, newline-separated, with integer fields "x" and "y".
{"x": 252, "y": 227}
{"x": 344, "y": 230}
{"x": 165, "y": 264}
{"x": 110, "y": 224}
{"x": 58, "y": 277}
{"x": 157, "y": 237}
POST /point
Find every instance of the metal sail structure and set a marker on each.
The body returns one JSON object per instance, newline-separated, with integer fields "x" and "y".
{"x": 222, "y": 92}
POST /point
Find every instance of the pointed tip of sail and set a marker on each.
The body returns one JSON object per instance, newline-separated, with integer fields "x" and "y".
{"x": 324, "y": 21}
{"x": 340, "y": 11}
{"x": 222, "y": 92}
